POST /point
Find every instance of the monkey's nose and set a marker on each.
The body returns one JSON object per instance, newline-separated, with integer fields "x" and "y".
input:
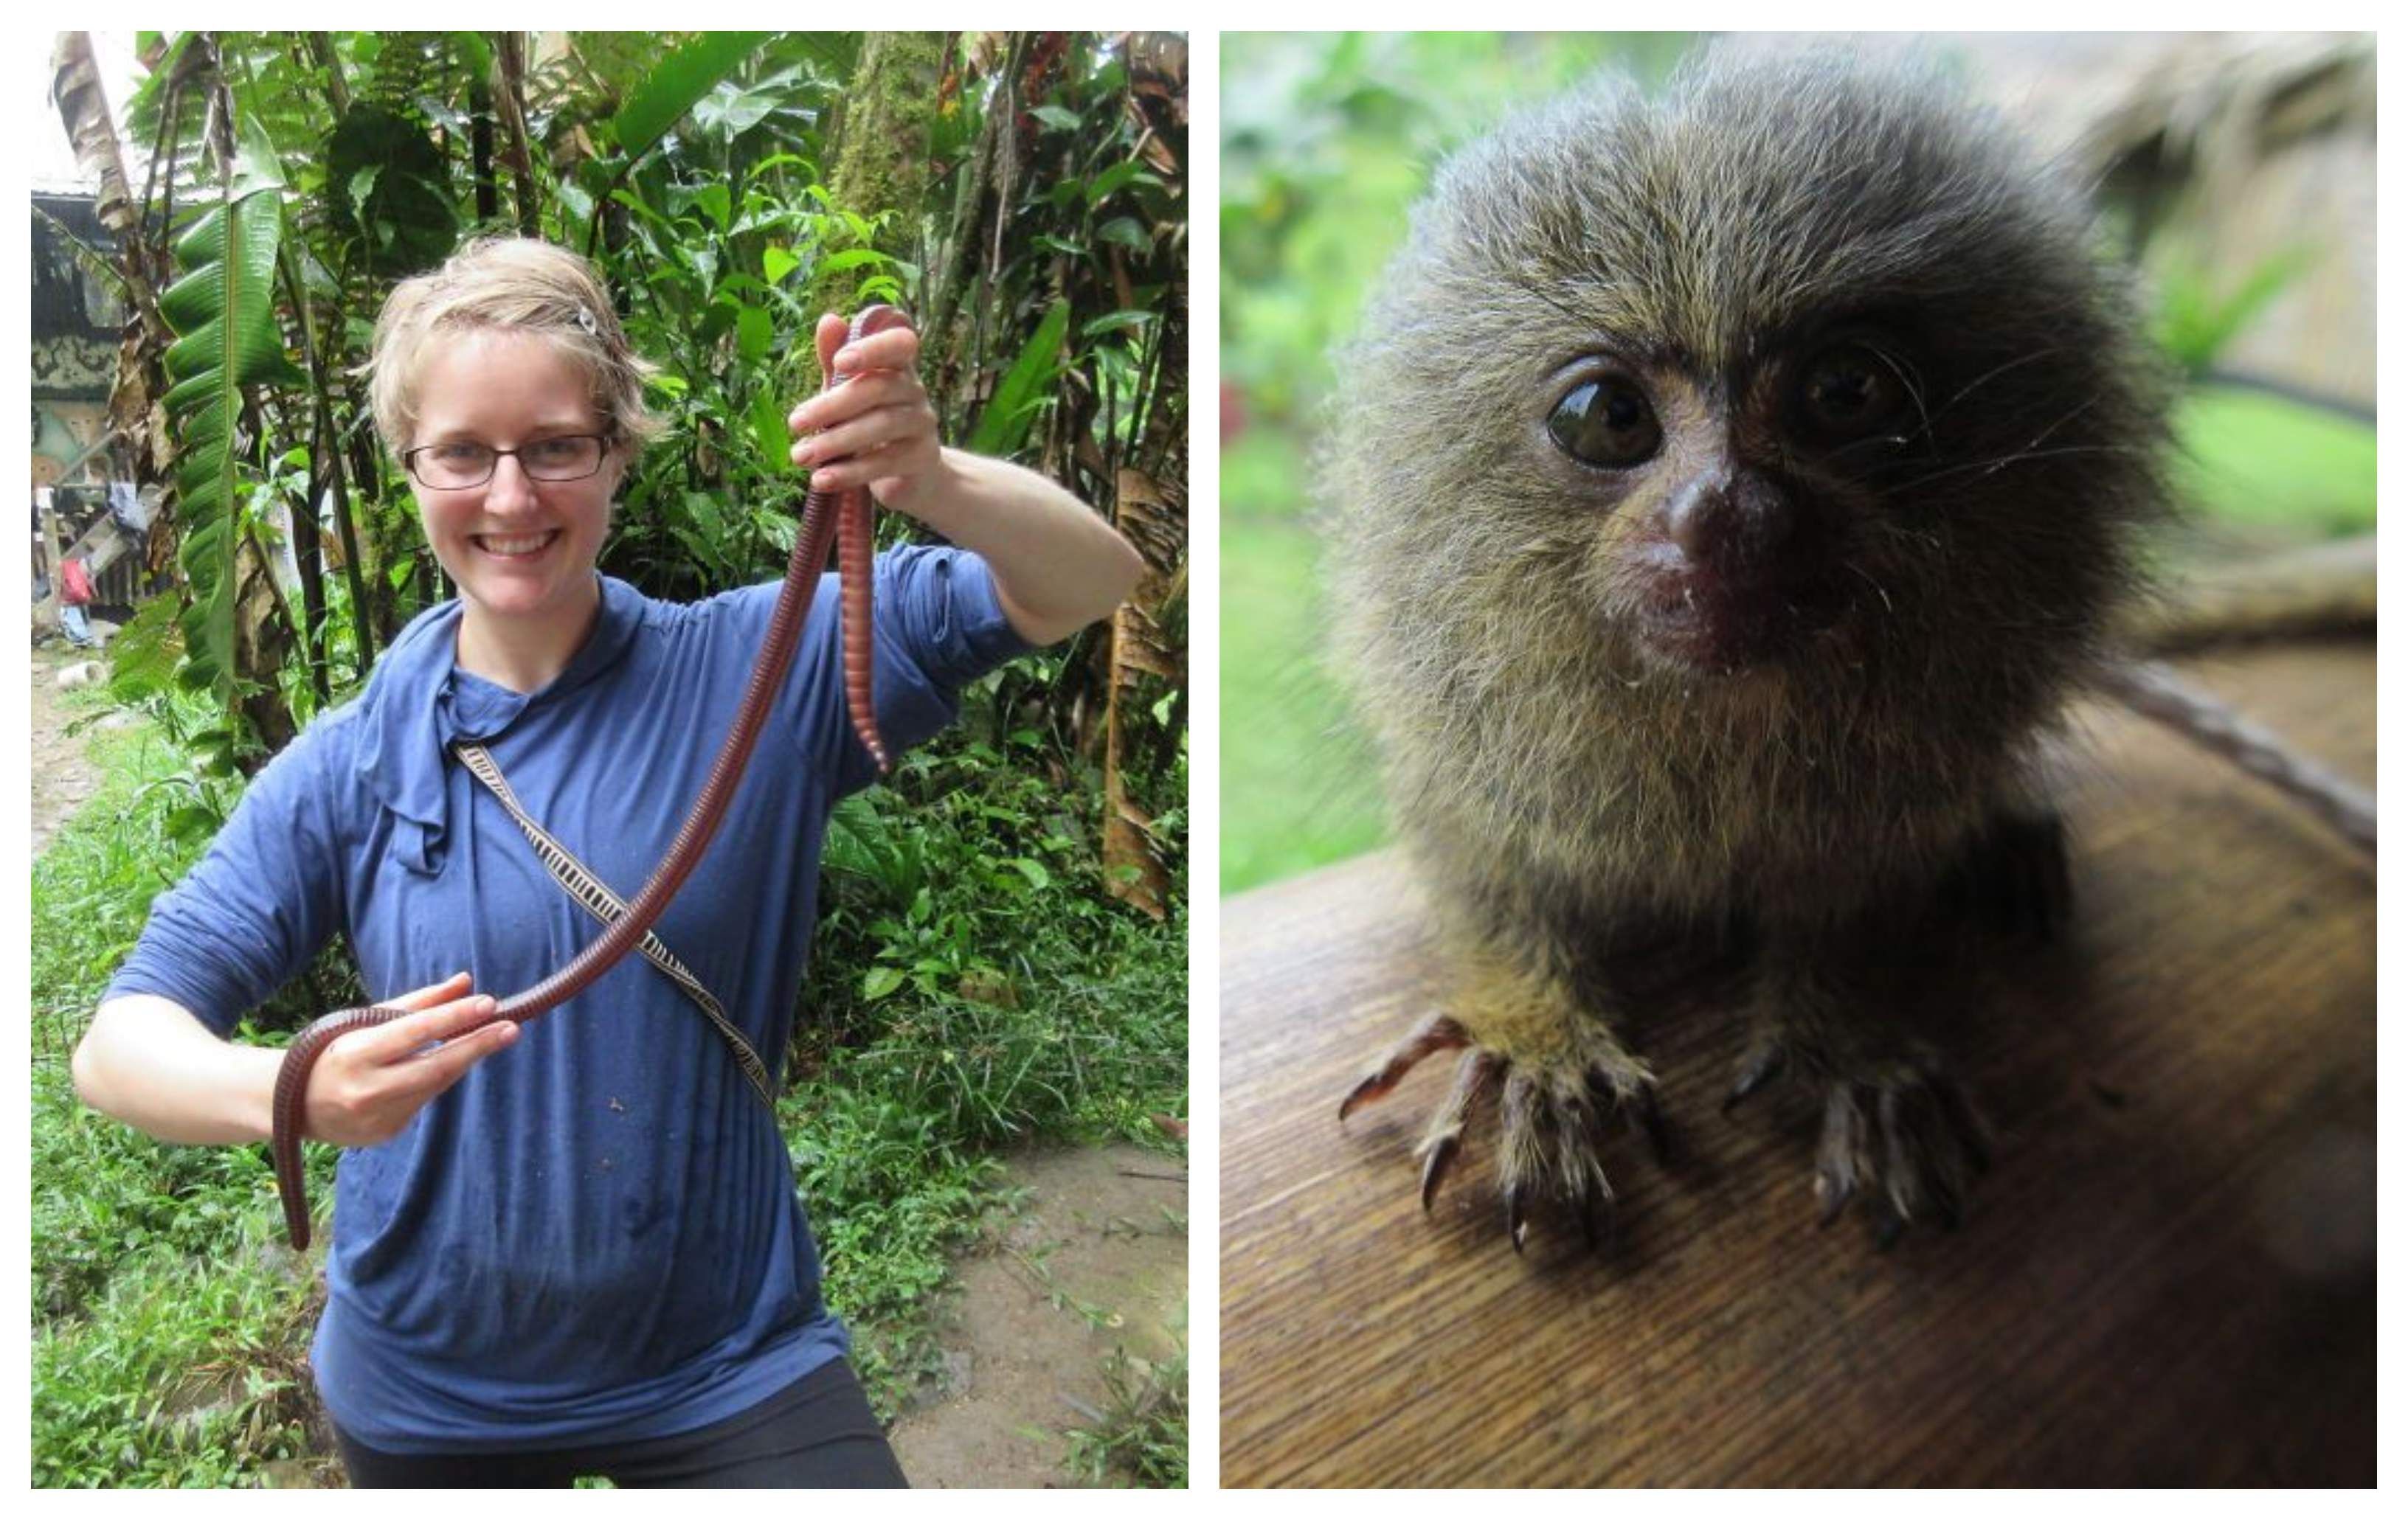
{"x": 1733, "y": 522}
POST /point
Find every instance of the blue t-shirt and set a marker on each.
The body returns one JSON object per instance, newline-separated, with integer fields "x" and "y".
{"x": 595, "y": 1237}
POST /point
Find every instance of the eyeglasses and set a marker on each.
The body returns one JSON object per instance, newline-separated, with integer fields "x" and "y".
{"x": 457, "y": 466}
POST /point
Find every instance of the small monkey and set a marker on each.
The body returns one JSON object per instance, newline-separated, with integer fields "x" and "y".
{"x": 1730, "y": 491}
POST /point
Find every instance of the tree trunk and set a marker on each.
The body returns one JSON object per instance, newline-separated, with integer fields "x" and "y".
{"x": 882, "y": 162}
{"x": 262, "y": 639}
{"x": 84, "y": 110}
{"x": 133, "y": 410}
{"x": 509, "y": 58}
{"x": 480, "y": 152}
{"x": 953, "y": 268}
{"x": 1150, "y": 493}
{"x": 338, "y": 91}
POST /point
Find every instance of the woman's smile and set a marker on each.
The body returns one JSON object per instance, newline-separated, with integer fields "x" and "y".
{"x": 515, "y": 546}
{"x": 520, "y": 551}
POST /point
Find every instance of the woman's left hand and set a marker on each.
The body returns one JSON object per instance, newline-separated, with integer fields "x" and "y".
{"x": 878, "y": 428}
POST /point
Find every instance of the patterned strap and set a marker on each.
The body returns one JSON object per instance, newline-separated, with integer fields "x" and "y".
{"x": 607, "y": 905}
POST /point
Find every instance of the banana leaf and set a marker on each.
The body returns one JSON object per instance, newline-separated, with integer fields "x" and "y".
{"x": 221, "y": 310}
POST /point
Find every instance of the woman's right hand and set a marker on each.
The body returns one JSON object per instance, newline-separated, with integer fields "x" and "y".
{"x": 369, "y": 1083}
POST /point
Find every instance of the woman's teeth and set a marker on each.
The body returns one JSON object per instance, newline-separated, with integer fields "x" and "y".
{"x": 519, "y": 543}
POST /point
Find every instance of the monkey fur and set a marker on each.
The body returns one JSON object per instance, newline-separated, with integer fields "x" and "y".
{"x": 1728, "y": 490}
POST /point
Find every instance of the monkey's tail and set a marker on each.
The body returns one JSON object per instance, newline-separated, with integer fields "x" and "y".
{"x": 2155, "y": 693}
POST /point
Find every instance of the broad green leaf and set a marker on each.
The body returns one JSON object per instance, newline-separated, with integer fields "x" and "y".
{"x": 476, "y": 53}
{"x": 776, "y": 262}
{"x": 678, "y": 80}
{"x": 222, "y": 313}
{"x": 1127, "y": 232}
{"x": 850, "y": 259}
{"x": 776, "y": 161}
{"x": 729, "y": 110}
{"x": 1115, "y": 322}
{"x": 754, "y": 331}
{"x": 1113, "y": 178}
{"x": 703, "y": 508}
{"x": 769, "y": 435}
{"x": 1056, "y": 117}
{"x": 1004, "y": 425}
{"x": 363, "y": 185}
{"x": 257, "y": 165}
{"x": 881, "y": 981}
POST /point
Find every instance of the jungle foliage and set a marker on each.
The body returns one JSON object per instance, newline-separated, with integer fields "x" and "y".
{"x": 1002, "y": 954}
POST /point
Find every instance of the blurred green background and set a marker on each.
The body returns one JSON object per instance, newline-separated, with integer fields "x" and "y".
{"x": 1326, "y": 141}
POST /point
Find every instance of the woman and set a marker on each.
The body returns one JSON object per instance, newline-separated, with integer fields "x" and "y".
{"x": 588, "y": 1255}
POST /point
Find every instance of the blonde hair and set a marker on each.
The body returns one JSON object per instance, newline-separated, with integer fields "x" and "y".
{"x": 511, "y": 285}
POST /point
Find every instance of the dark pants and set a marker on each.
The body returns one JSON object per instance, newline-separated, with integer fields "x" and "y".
{"x": 819, "y": 1433}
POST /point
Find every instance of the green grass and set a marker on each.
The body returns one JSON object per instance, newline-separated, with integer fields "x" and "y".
{"x": 1139, "y": 1439}
{"x": 973, "y": 988}
{"x": 1296, "y": 790}
{"x": 2261, "y": 459}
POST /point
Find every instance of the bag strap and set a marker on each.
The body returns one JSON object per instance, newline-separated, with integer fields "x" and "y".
{"x": 598, "y": 900}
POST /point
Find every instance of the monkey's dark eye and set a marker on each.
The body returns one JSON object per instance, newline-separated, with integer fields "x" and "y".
{"x": 1849, "y": 391}
{"x": 1607, "y": 423}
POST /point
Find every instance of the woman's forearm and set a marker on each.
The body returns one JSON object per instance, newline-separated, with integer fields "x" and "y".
{"x": 152, "y": 1063}
{"x": 1057, "y": 565}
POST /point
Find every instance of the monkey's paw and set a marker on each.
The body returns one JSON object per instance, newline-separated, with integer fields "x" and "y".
{"x": 1898, "y": 1131}
{"x": 1551, "y": 1118}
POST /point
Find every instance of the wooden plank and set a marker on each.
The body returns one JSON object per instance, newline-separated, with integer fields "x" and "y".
{"x": 2169, "y": 1278}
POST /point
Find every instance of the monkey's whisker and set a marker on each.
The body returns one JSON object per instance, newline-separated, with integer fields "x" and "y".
{"x": 1878, "y": 589}
{"x": 1992, "y": 466}
{"x": 1993, "y": 373}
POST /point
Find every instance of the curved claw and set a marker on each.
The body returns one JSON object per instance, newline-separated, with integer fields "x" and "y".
{"x": 1441, "y": 1155}
{"x": 1834, "y": 1187}
{"x": 1444, "y": 1139}
{"x": 1551, "y": 1118}
{"x": 1433, "y": 1034}
{"x": 1907, "y": 1138}
{"x": 1761, "y": 1067}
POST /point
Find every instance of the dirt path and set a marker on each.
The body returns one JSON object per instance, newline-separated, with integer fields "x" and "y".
{"x": 63, "y": 779}
{"x": 1099, "y": 1258}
